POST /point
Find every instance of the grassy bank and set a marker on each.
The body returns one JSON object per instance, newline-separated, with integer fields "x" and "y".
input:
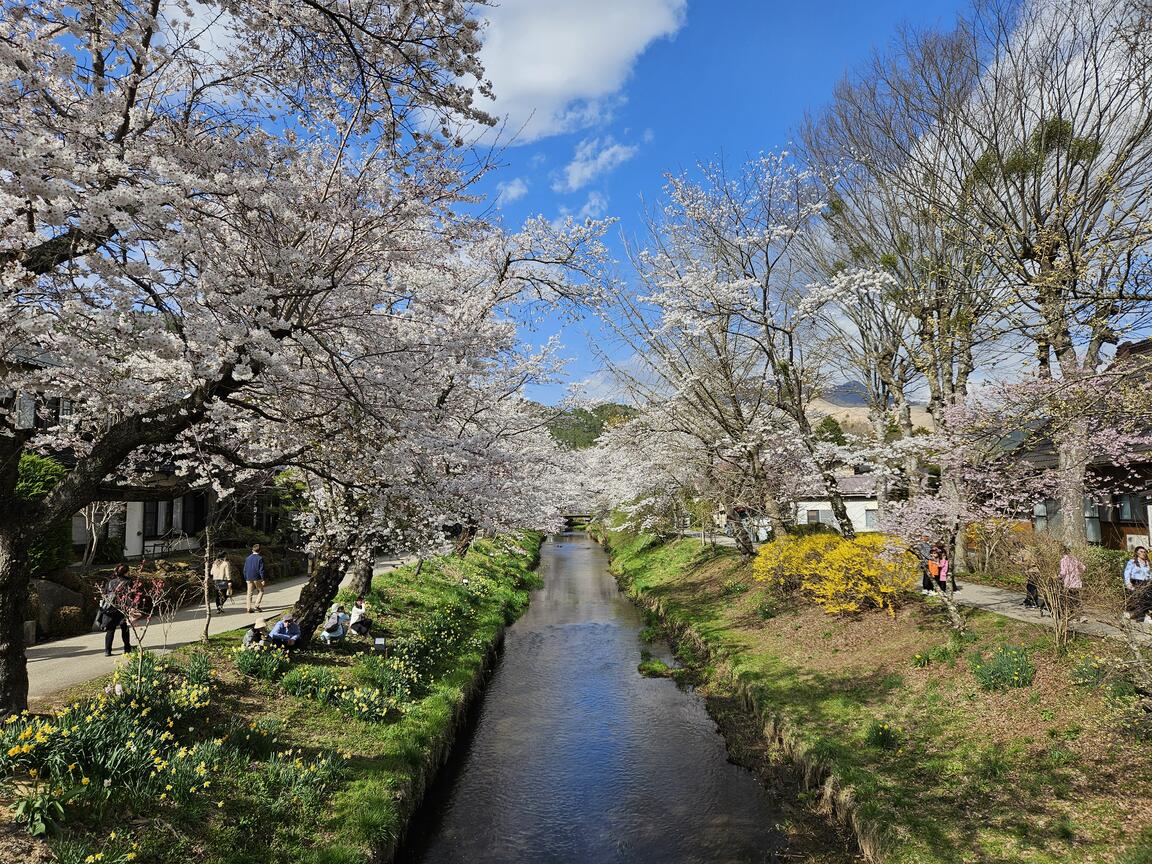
{"x": 215, "y": 755}
{"x": 894, "y": 726}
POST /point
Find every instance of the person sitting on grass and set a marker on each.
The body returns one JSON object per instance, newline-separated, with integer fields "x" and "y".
{"x": 286, "y": 633}
{"x": 335, "y": 628}
{"x": 360, "y": 624}
{"x": 256, "y": 634}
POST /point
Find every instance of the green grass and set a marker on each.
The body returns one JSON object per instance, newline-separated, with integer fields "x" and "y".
{"x": 958, "y": 774}
{"x": 383, "y": 766}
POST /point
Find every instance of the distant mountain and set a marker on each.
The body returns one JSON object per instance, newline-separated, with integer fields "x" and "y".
{"x": 847, "y": 394}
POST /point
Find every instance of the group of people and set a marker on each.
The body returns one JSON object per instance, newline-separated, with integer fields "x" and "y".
{"x": 286, "y": 632}
{"x": 935, "y": 571}
{"x": 255, "y": 577}
{"x": 117, "y": 603}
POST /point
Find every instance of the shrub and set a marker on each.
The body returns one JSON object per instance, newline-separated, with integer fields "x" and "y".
{"x": 842, "y": 576}
{"x": 262, "y": 661}
{"x": 69, "y": 621}
{"x": 1009, "y": 667}
{"x": 312, "y": 682}
{"x": 1131, "y": 714}
{"x": 884, "y": 736}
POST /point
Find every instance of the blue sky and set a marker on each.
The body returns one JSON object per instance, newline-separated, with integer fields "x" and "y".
{"x": 612, "y": 94}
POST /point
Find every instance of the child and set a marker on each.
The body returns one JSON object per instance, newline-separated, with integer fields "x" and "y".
{"x": 934, "y": 568}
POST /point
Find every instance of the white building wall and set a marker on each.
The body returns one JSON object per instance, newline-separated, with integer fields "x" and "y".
{"x": 857, "y": 512}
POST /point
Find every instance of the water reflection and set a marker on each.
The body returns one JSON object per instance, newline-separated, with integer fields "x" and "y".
{"x": 576, "y": 758}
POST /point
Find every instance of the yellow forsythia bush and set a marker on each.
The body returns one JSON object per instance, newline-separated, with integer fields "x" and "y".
{"x": 842, "y": 576}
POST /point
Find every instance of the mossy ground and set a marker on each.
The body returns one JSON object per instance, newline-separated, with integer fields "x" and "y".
{"x": 1034, "y": 774}
{"x": 388, "y": 764}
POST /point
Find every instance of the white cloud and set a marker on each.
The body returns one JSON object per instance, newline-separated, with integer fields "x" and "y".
{"x": 559, "y": 65}
{"x": 513, "y": 190}
{"x": 595, "y": 207}
{"x": 593, "y": 157}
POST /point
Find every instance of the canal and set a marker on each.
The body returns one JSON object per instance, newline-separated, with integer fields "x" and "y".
{"x": 575, "y": 757}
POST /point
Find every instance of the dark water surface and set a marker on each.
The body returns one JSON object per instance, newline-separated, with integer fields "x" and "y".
{"x": 574, "y": 757}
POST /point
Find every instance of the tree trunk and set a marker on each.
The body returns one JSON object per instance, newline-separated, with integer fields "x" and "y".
{"x": 13, "y": 596}
{"x": 1072, "y": 456}
{"x": 361, "y": 577}
{"x": 740, "y": 534}
{"x": 464, "y": 543}
{"x": 317, "y": 595}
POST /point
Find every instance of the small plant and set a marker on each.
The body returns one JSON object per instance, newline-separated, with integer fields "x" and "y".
{"x": 1009, "y": 667}
{"x": 312, "y": 682}
{"x": 260, "y": 661}
{"x": 650, "y": 633}
{"x": 653, "y": 667}
{"x": 767, "y": 609}
{"x": 992, "y": 764}
{"x": 1091, "y": 672}
{"x": 199, "y": 669}
{"x": 366, "y": 703}
{"x": 921, "y": 660}
{"x": 883, "y": 736}
{"x": 41, "y": 810}
{"x": 734, "y": 588}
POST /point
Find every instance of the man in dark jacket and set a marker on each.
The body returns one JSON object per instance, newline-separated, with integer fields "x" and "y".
{"x": 254, "y": 578}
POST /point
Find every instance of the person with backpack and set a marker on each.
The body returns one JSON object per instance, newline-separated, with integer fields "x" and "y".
{"x": 113, "y": 600}
{"x": 222, "y": 579}
{"x": 336, "y": 627}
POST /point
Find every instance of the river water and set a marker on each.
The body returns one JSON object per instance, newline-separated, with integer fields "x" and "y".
{"x": 575, "y": 757}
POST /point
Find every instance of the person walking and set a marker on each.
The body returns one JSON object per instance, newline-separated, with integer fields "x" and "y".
{"x": 222, "y": 579}
{"x": 254, "y": 579}
{"x": 933, "y": 570}
{"x": 114, "y": 598}
{"x": 1072, "y": 576}
{"x": 923, "y": 552}
{"x": 1137, "y": 574}
{"x": 942, "y": 569}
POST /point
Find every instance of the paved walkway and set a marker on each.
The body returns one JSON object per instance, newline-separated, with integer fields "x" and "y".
{"x": 63, "y": 663}
{"x": 1003, "y": 601}
{"x": 1010, "y": 604}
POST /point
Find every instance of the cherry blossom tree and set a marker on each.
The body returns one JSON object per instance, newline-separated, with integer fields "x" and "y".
{"x": 226, "y": 217}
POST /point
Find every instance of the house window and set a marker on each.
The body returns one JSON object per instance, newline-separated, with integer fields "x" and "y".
{"x": 813, "y": 517}
{"x": 1127, "y": 508}
{"x": 151, "y": 520}
{"x": 195, "y": 512}
{"x": 871, "y": 520}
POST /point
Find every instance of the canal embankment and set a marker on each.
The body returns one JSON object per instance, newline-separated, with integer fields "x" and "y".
{"x": 232, "y": 756}
{"x": 888, "y": 725}
{"x": 575, "y": 757}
